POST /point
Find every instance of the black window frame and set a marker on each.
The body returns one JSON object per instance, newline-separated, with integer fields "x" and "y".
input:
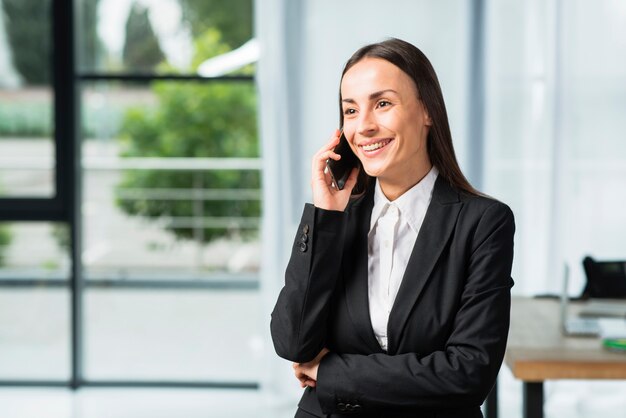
{"x": 64, "y": 207}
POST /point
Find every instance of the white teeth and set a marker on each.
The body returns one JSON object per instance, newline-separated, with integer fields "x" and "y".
{"x": 375, "y": 146}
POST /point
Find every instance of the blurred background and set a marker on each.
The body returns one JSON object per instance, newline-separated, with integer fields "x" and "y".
{"x": 154, "y": 162}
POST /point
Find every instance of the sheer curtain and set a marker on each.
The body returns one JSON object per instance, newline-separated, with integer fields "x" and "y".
{"x": 554, "y": 138}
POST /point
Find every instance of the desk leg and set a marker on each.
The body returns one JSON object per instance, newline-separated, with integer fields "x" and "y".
{"x": 533, "y": 399}
{"x": 491, "y": 404}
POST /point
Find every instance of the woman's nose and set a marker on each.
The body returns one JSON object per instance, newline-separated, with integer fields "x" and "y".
{"x": 367, "y": 124}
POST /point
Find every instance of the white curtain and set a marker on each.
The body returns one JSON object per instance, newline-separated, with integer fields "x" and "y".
{"x": 555, "y": 120}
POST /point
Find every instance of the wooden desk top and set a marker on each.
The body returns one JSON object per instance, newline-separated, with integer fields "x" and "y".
{"x": 537, "y": 350}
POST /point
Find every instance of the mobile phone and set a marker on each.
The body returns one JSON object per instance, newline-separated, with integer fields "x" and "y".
{"x": 340, "y": 170}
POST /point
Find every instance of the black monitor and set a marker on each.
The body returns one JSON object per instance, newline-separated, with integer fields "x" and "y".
{"x": 605, "y": 279}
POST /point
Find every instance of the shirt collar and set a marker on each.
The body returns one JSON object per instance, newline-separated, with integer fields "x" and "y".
{"x": 417, "y": 195}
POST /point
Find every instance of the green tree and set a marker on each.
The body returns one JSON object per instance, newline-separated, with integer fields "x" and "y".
{"x": 29, "y": 32}
{"x": 232, "y": 18}
{"x": 141, "y": 47}
{"x": 90, "y": 45}
{"x": 194, "y": 120}
{"x": 5, "y": 240}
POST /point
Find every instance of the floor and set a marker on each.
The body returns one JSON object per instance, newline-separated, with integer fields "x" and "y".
{"x": 573, "y": 399}
{"x": 188, "y": 335}
{"x": 136, "y": 403}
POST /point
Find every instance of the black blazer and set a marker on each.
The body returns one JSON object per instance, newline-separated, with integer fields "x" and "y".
{"x": 448, "y": 326}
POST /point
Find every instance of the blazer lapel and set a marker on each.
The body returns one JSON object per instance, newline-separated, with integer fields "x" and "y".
{"x": 436, "y": 229}
{"x": 355, "y": 270}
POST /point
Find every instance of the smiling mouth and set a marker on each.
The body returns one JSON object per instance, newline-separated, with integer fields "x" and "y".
{"x": 375, "y": 146}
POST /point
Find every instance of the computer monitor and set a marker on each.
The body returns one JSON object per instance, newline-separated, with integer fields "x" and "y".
{"x": 605, "y": 279}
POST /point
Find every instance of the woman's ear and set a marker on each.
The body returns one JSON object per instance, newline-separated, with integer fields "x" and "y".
{"x": 427, "y": 119}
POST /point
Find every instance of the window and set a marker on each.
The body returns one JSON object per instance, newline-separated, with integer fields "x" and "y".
{"x": 157, "y": 272}
{"x": 26, "y": 100}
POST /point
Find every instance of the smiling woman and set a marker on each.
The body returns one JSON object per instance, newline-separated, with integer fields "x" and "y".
{"x": 387, "y": 126}
{"x": 396, "y": 300}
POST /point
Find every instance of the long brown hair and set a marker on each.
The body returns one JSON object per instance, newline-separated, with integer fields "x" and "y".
{"x": 414, "y": 63}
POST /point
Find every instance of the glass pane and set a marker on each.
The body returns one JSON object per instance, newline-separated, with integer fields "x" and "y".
{"x": 34, "y": 251}
{"x": 180, "y": 335}
{"x": 26, "y": 116}
{"x": 172, "y": 180}
{"x": 34, "y": 331}
{"x": 34, "y": 320}
{"x": 165, "y": 36}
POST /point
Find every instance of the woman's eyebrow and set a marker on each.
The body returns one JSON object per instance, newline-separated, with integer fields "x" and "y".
{"x": 372, "y": 96}
{"x": 377, "y": 94}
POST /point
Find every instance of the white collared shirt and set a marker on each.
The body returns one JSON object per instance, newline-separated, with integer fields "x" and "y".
{"x": 394, "y": 227}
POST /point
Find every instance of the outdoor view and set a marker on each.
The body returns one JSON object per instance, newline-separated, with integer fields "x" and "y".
{"x": 170, "y": 193}
{"x": 171, "y": 175}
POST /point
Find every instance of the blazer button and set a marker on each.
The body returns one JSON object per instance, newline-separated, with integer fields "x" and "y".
{"x": 305, "y": 229}
{"x": 303, "y": 247}
{"x": 349, "y": 407}
{"x": 304, "y": 238}
{"x": 341, "y": 407}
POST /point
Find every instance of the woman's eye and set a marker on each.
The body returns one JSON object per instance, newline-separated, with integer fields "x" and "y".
{"x": 349, "y": 111}
{"x": 384, "y": 103}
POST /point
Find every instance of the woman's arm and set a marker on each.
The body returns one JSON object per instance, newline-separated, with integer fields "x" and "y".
{"x": 298, "y": 322}
{"x": 461, "y": 374}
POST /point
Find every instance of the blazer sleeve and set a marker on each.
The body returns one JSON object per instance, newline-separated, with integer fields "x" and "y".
{"x": 298, "y": 324}
{"x": 461, "y": 374}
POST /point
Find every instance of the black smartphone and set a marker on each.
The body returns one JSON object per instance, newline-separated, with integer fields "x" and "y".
{"x": 340, "y": 170}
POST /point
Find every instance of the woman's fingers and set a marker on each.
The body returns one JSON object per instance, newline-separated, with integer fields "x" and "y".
{"x": 302, "y": 376}
{"x": 325, "y": 193}
{"x": 351, "y": 181}
{"x": 326, "y": 151}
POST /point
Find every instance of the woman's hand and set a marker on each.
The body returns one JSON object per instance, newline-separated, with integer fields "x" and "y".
{"x": 325, "y": 194}
{"x": 306, "y": 373}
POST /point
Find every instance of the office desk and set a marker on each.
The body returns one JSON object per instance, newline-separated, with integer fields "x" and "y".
{"x": 537, "y": 351}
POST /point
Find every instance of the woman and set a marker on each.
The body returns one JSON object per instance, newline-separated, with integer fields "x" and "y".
{"x": 396, "y": 302}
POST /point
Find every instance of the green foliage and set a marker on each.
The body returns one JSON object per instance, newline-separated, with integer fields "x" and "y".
{"x": 193, "y": 120}
{"x": 5, "y": 240}
{"x": 29, "y": 33}
{"x": 26, "y": 119}
{"x": 61, "y": 235}
{"x": 141, "y": 48}
{"x": 232, "y": 18}
{"x": 90, "y": 45}
{"x": 208, "y": 45}
{"x": 33, "y": 119}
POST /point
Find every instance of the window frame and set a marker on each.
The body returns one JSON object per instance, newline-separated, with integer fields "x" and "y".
{"x": 65, "y": 207}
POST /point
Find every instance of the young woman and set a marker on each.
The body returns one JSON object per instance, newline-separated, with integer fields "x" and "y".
{"x": 396, "y": 301}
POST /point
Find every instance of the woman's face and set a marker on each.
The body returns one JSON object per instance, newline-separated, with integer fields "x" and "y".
{"x": 384, "y": 122}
